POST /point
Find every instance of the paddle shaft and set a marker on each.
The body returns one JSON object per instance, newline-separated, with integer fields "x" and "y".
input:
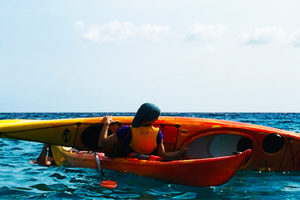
{"x": 99, "y": 166}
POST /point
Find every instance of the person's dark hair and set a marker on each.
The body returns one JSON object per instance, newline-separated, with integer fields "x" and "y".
{"x": 147, "y": 112}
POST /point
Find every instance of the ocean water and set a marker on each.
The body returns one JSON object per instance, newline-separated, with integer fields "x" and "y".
{"x": 21, "y": 180}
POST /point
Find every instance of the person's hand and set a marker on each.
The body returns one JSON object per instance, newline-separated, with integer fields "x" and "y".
{"x": 183, "y": 150}
{"x": 107, "y": 120}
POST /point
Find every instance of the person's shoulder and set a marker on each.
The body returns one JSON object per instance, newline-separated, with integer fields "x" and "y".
{"x": 124, "y": 128}
{"x": 123, "y": 131}
{"x": 159, "y": 137}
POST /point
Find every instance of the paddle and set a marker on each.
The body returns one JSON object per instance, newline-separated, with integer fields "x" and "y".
{"x": 104, "y": 183}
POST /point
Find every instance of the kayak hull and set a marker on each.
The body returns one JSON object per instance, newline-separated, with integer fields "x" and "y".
{"x": 272, "y": 149}
{"x": 193, "y": 172}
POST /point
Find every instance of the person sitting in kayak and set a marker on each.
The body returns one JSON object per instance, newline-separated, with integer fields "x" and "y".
{"x": 141, "y": 137}
{"x": 115, "y": 150}
{"x": 46, "y": 158}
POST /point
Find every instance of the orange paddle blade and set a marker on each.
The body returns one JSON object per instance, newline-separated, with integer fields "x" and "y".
{"x": 108, "y": 184}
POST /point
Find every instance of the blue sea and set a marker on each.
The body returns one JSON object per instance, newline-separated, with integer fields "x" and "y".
{"x": 20, "y": 179}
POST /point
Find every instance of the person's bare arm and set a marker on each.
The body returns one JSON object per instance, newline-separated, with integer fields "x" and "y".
{"x": 43, "y": 157}
{"x": 105, "y": 140}
{"x": 171, "y": 155}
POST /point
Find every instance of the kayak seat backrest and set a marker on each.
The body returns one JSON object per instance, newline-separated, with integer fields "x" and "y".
{"x": 170, "y": 135}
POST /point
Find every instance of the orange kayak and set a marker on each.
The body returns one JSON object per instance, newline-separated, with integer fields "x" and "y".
{"x": 193, "y": 172}
{"x": 272, "y": 149}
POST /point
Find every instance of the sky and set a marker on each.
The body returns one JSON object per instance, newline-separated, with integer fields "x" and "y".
{"x": 182, "y": 55}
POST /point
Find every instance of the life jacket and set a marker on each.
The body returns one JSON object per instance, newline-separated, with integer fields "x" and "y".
{"x": 143, "y": 139}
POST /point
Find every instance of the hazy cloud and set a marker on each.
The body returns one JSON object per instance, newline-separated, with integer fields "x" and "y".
{"x": 116, "y": 31}
{"x": 79, "y": 24}
{"x": 272, "y": 35}
{"x": 153, "y": 31}
{"x": 266, "y": 35}
{"x": 210, "y": 34}
{"x": 295, "y": 39}
{"x": 205, "y": 32}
